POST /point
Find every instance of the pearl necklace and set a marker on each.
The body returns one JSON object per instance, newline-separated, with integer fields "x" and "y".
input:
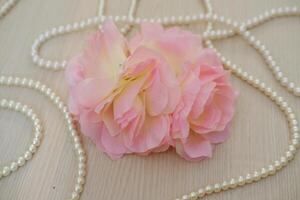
{"x": 38, "y": 134}
{"x": 28, "y": 112}
{"x": 209, "y": 34}
{"x": 56, "y": 100}
{"x": 6, "y": 7}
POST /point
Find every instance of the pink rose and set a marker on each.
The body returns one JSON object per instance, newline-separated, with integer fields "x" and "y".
{"x": 202, "y": 117}
{"x": 130, "y": 97}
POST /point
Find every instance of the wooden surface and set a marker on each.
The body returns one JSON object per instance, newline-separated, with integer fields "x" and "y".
{"x": 259, "y": 132}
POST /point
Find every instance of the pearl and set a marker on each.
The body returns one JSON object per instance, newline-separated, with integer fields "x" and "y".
{"x": 271, "y": 169}
{"x": 82, "y": 173}
{"x": 277, "y": 164}
{"x": 78, "y": 188}
{"x": 256, "y": 176}
{"x": 75, "y": 196}
{"x": 217, "y": 187}
{"x": 248, "y": 178}
{"x": 241, "y": 181}
{"x": 283, "y": 161}
{"x": 201, "y": 193}
{"x": 5, "y": 171}
{"x": 208, "y": 189}
{"x": 185, "y": 197}
{"x": 14, "y": 166}
{"x": 28, "y": 155}
{"x": 80, "y": 180}
{"x": 193, "y": 196}
{"x": 232, "y": 183}
{"x": 289, "y": 155}
{"x": 295, "y": 142}
{"x": 21, "y": 161}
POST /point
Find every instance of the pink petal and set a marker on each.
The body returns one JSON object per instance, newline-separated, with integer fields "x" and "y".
{"x": 209, "y": 57}
{"x": 194, "y": 148}
{"x": 124, "y": 100}
{"x": 208, "y": 120}
{"x": 217, "y": 136}
{"x": 201, "y": 99}
{"x": 74, "y": 71}
{"x": 91, "y": 91}
{"x": 180, "y": 127}
{"x": 105, "y": 53}
{"x": 113, "y": 145}
{"x": 110, "y": 123}
{"x": 90, "y": 125}
{"x": 152, "y": 134}
{"x": 151, "y": 30}
{"x": 173, "y": 99}
{"x": 156, "y": 97}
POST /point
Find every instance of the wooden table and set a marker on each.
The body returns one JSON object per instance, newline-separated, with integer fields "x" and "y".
{"x": 259, "y": 131}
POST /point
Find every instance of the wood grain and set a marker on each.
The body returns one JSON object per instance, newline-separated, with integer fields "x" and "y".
{"x": 259, "y": 132}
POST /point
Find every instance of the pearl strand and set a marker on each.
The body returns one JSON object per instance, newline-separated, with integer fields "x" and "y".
{"x": 256, "y": 21}
{"x": 36, "y": 141}
{"x": 75, "y": 27}
{"x": 55, "y": 65}
{"x": 271, "y": 168}
{"x": 50, "y": 94}
{"x": 6, "y": 7}
{"x": 261, "y": 48}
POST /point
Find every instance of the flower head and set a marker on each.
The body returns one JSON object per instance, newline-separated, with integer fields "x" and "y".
{"x": 158, "y": 89}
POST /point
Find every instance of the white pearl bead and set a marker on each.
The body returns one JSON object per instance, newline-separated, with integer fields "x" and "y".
{"x": 21, "y": 161}
{"x": 201, "y": 193}
{"x": 241, "y": 181}
{"x": 217, "y": 187}
{"x": 208, "y": 189}
{"x": 80, "y": 180}
{"x": 82, "y": 173}
{"x": 256, "y": 176}
{"x": 289, "y": 155}
{"x": 271, "y": 169}
{"x": 6, "y": 171}
{"x": 75, "y": 196}
{"x": 13, "y": 166}
{"x": 78, "y": 188}
{"x": 28, "y": 155}
{"x": 232, "y": 183}
{"x": 283, "y": 161}
{"x": 248, "y": 178}
{"x": 193, "y": 196}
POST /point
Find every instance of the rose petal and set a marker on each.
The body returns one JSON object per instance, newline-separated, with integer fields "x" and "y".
{"x": 217, "y": 136}
{"x": 156, "y": 97}
{"x": 74, "y": 71}
{"x": 152, "y": 134}
{"x": 113, "y": 145}
{"x": 201, "y": 99}
{"x": 194, "y": 148}
{"x": 91, "y": 91}
{"x": 124, "y": 100}
{"x": 106, "y": 52}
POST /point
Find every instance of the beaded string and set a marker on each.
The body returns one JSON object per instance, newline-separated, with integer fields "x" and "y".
{"x": 6, "y": 7}
{"x": 9, "y": 81}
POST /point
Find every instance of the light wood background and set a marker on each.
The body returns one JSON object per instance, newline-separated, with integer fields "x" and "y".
{"x": 259, "y": 132}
